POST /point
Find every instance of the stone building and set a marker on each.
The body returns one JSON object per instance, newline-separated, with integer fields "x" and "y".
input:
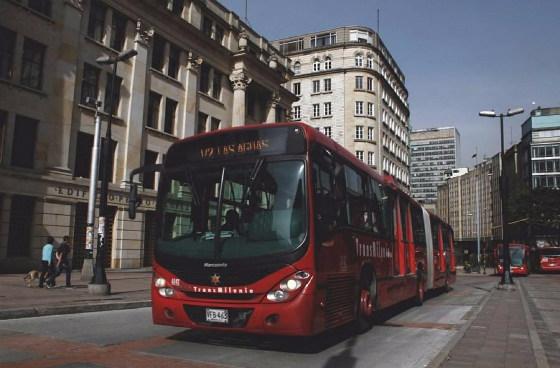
{"x": 352, "y": 89}
{"x": 198, "y": 68}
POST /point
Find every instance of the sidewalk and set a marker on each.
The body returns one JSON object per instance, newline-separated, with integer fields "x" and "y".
{"x": 501, "y": 335}
{"x": 129, "y": 289}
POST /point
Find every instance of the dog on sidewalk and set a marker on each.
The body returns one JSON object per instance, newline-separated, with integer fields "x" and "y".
{"x": 30, "y": 277}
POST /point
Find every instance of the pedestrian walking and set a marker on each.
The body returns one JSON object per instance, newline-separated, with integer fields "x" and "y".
{"x": 47, "y": 271}
{"x": 63, "y": 260}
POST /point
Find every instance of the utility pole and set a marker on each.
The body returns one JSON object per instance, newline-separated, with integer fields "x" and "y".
{"x": 87, "y": 267}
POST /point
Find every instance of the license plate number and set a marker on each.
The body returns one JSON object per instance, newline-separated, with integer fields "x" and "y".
{"x": 217, "y": 315}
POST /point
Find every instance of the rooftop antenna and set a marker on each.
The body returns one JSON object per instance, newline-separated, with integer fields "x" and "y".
{"x": 377, "y": 20}
{"x": 511, "y": 135}
{"x": 246, "y": 19}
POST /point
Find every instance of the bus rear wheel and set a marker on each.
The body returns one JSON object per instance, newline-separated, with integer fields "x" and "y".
{"x": 367, "y": 299}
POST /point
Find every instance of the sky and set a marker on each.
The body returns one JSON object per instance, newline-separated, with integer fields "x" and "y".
{"x": 458, "y": 56}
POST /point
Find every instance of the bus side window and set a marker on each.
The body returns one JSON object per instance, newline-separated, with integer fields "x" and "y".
{"x": 357, "y": 210}
{"x": 340, "y": 201}
{"x": 324, "y": 195}
{"x": 418, "y": 231}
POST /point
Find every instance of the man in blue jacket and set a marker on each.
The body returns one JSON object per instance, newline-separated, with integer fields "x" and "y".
{"x": 46, "y": 263}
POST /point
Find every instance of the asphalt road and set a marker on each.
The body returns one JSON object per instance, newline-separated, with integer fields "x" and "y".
{"x": 405, "y": 336}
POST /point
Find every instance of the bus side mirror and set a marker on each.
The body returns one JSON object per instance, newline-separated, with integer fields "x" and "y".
{"x": 132, "y": 201}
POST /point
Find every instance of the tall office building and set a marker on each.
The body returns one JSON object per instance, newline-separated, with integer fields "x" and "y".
{"x": 540, "y": 148}
{"x": 198, "y": 68}
{"x": 351, "y": 89}
{"x": 433, "y": 152}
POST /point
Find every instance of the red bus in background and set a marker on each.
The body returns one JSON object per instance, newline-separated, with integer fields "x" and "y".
{"x": 519, "y": 256}
{"x": 277, "y": 229}
{"x": 549, "y": 259}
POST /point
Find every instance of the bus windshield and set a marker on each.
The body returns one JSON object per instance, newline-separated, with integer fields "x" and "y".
{"x": 234, "y": 211}
{"x": 516, "y": 255}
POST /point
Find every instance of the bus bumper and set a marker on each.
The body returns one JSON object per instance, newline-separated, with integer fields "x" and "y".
{"x": 294, "y": 317}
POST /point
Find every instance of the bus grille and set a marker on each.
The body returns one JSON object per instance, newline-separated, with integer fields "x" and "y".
{"x": 229, "y": 276}
{"x": 340, "y": 300}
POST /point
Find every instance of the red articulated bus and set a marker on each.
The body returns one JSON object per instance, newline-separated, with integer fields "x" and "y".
{"x": 277, "y": 229}
{"x": 519, "y": 259}
{"x": 549, "y": 259}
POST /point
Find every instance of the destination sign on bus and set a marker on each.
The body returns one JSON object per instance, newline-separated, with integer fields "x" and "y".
{"x": 260, "y": 141}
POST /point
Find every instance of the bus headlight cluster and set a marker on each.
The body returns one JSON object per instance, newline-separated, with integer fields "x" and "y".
{"x": 288, "y": 287}
{"x": 164, "y": 291}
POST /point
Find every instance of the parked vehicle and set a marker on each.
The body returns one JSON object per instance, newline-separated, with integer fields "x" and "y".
{"x": 549, "y": 259}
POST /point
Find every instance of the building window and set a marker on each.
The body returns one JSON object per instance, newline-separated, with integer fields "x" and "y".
{"x": 359, "y": 108}
{"x": 7, "y": 46}
{"x": 24, "y": 142}
{"x": 117, "y": 96}
{"x": 21, "y": 221}
{"x": 297, "y": 89}
{"x": 360, "y": 155}
{"x": 359, "y": 82}
{"x": 370, "y": 84}
{"x": 328, "y": 64}
{"x": 96, "y": 25}
{"x": 359, "y": 60}
{"x": 41, "y": 6}
{"x": 154, "y": 103}
{"x": 219, "y": 35}
{"x": 214, "y": 124}
{"x": 82, "y": 164}
{"x": 328, "y": 109}
{"x": 359, "y": 132}
{"x": 204, "y": 85}
{"x": 217, "y": 85}
{"x": 118, "y": 31}
{"x": 316, "y": 65}
{"x": 327, "y": 85}
{"x": 149, "y": 179}
{"x": 174, "y": 60}
{"x": 370, "y": 62}
{"x": 327, "y": 131}
{"x": 290, "y": 46}
{"x": 170, "y": 112}
{"x": 175, "y": 6}
{"x": 207, "y": 26}
{"x": 370, "y": 109}
{"x": 371, "y": 158}
{"x": 324, "y": 39}
{"x": 3, "y": 127}
{"x": 32, "y": 64}
{"x": 90, "y": 83}
{"x": 201, "y": 126}
{"x": 316, "y": 111}
{"x": 297, "y": 113}
{"x": 297, "y": 67}
{"x": 158, "y": 53}
{"x": 370, "y": 134}
{"x": 316, "y": 86}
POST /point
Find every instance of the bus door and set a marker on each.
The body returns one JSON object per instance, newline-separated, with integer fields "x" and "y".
{"x": 429, "y": 249}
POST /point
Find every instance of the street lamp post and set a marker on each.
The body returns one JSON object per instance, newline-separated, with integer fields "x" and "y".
{"x": 99, "y": 284}
{"x": 506, "y": 277}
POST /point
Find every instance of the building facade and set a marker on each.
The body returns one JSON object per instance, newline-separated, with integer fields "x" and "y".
{"x": 198, "y": 68}
{"x": 433, "y": 152}
{"x": 540, "y": 146}
{"x": 351, "y": 89}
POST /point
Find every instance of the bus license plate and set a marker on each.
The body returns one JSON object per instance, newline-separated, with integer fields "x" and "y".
{"x": 217, "y": 315}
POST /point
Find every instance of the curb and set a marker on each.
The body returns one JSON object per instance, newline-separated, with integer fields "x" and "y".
{"x": 538, "y": 350}
{"x": 444, "y": 353}
{"x": 71, "y": 309}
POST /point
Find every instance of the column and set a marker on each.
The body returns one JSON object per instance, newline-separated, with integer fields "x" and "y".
{"x": 133, "y": 150}
{"x": 66, "y": 90}
{"x": 239, "y": 80}
{"x": 190, "y": 81}
{"x": 272, "y": 106}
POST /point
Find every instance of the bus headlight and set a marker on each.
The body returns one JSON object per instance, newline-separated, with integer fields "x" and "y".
{"x": 166, "y": 292}
{"x": 288, "y": 287}
{"x": 159, "y": 282}
{"x": 277, "y": 296}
